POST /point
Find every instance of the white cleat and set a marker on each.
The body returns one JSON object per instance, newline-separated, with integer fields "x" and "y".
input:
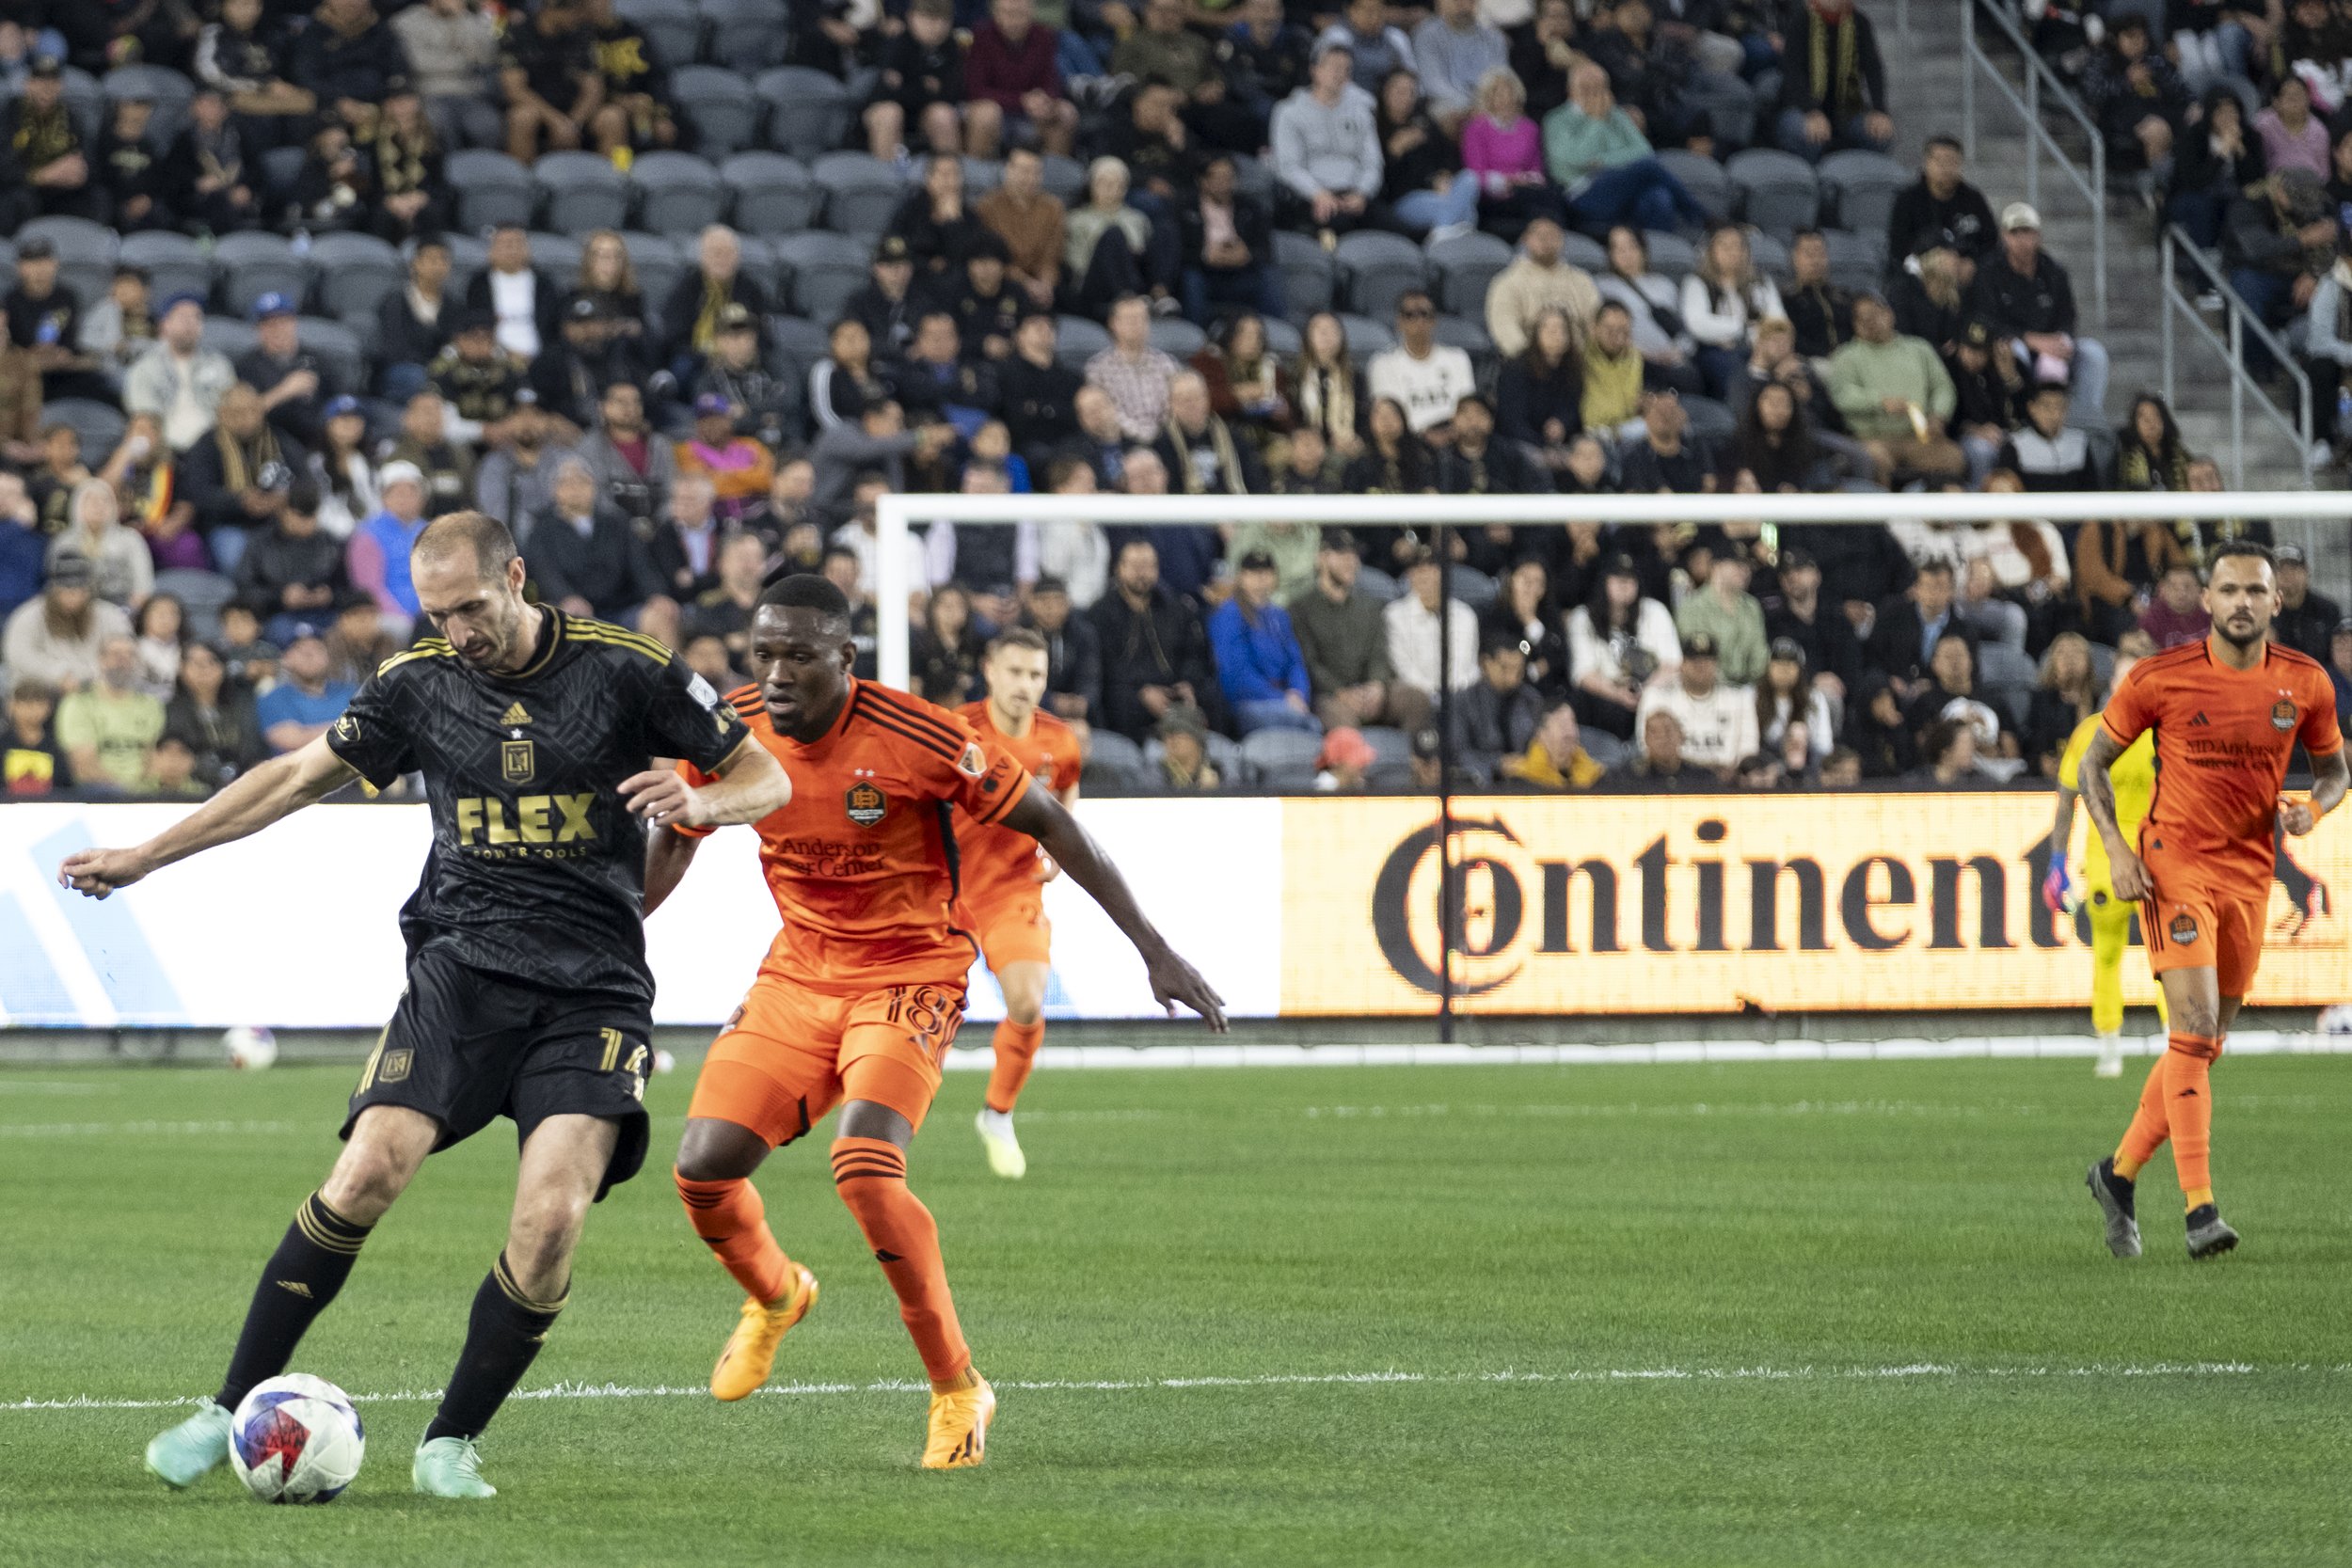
{"x": 1004, "y": 1149}
{"x": 2110, "y": 1056}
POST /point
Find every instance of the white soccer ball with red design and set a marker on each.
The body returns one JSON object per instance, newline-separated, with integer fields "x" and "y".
{"x": 296, "y": 1440}
{"x": 249, "y": 1047}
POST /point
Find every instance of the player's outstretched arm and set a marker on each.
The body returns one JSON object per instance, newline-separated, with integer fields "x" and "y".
{"x": 1173, "y": 980}
{"x": 2128, "y": 874}
{"x": 750, "y": 784}
{"x": 278, "y": 787}
{"x": 667, "y": 856}
{"x": 2329, "y": 776}
{"x": 2054, "y": 885}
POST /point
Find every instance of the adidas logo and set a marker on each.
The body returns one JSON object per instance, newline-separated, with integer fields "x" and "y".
{"x": 515, "y": 715}
{"x": 296, "y": 1287}
{"x": 2200, "y": 720}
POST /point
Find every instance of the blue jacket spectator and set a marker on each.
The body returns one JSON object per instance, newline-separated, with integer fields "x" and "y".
{"x": 298, "y": 708}
{"x": 22, "y": 546}
{"x": 1258, "y": 659}
{"x": 380, "y": 546}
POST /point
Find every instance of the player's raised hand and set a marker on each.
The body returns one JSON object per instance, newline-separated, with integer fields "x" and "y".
{"x": 2128, "y": 875}
{"x": 2296, "y": 817}
{"x": 1173, "y": 980}
{"x": 98, "y": 872}
{"x": 661, "y": 797}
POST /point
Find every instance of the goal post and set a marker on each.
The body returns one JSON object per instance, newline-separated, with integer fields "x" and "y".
{"x": 2319, "y": 521}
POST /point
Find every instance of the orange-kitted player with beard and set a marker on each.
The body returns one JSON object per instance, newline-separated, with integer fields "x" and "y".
{"x": 2228, "y": 712}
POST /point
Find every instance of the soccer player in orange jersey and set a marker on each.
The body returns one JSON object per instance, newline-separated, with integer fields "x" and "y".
{"x": 1005, "y": 874}
{"x": 2228, "y": 712}
{"x": 859, "y": 997}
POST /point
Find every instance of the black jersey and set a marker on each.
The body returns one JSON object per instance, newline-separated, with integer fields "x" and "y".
{"x": 537, "y": 868}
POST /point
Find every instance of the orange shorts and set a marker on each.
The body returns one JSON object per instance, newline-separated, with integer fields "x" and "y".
{"x": 784, "y": 1058}
{"x": 1012, "y": 930}
{"x": 2191, "y": 924}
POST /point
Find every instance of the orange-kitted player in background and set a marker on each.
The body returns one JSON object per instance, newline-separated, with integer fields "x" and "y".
{"x": 859, "y": 997}
{"x": 2228, "y": 712}
{"x": 1005, "y": 874}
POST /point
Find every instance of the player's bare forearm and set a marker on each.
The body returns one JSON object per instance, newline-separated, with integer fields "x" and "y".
{"x": 2330, "y": 775}
{"x": 277, "y": 788}
{"x": 2127, "y": 874}
{"x": 667, "y": 856}
{"x": 1043, "y": 819}
{"x": 750, "y": 784}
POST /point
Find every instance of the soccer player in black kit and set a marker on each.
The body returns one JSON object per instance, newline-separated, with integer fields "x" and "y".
{"x": 528, "y": 993}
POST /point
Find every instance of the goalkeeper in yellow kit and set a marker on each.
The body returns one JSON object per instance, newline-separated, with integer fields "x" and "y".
{"x": 2135, "y": 778}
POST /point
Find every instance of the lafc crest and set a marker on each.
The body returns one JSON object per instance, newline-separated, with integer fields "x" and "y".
{"x": 518, "y": 761}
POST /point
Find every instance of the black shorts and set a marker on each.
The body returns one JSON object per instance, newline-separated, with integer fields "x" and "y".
{"x": 465, "y": 1046}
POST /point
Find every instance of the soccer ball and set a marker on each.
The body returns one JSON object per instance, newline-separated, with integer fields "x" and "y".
{"x": 249, "y": 1045}
{"x": 296, "y": 1440}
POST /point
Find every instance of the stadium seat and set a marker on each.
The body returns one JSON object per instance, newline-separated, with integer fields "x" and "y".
{"x": 1771, "y": 256}
{"x": 252, "y": 264}
{"x": 862, "y": 192}
{"x": 1390, "y": 747}
{"x": 281, "y": 171}
{"x": 1114, "y": 762}
{"x": 720, "y": 105}
{"x": 229, "y": 334}
{"x": 1704, "y": 177}
{"x": 336, "y": 344}
{"x": 203, "y": 596}
{"x": 356, "y": 272}
{"x": 581, "y": 192}
{"x": 745, "y": 35}
{"x": 1474, "y": 588}
{"x": 982, "y": 176}
{"x": 1583, "y": 250}
{"x": 1708, "y": 420}
{"x": 1078, "y": 339}
{"x": 174, "y": 264}
{"x": 1366, "y": 336}
{"x": 659, "y": 261}
{"x": 1378, "y": 269}
{"x": 1177, "y": 338}
{"x": 1778, "y": 191}
{"x": 98, "y": 425}
{"x": 84, "y": 101}
{"x": 161, "y": 86}
{"x": 492, "y": 189}
{"x": 673, "y": 27}
{"x": 1465, "y": 266}
{"x": 1280, "y": 759}
{"x": 1309, "y": 277}
{"x": 1856, "y": 260}
{"x": 800, "y": 342}
{"x": 676, "y": 193}
{"x": 1602, "y": 747}
{"x": 1670, "y": 255}
{"x": 1254, "y": 178}
{"x": 1282, "y": 338}
{"x": 76, "y": 239}
{"x": 773, "y": 194}
{"x": 808, "y": 112}
{"x": 2007, "y": 676}
{"x": 1466, "y": 333}
{"x": 826, "y": 269}
{"x": 1066, "y": 178}
{"x": 2102, "y": 664}
{"x": 555, "y": 258}
{"x": 1860, "y": 187}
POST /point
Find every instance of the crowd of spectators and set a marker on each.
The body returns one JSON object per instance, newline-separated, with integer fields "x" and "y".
{"x": 208, "y": 588}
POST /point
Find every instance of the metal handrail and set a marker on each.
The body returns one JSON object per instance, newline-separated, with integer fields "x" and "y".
{"x": 2041, "y": 81}
{"x": 2240, "y": 319}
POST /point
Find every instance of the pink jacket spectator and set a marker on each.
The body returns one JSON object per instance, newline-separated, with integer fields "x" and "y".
{"x": 2285, "y": 148}
{"x": 1498, "y": 155}
{"x": 1000, "y": 70}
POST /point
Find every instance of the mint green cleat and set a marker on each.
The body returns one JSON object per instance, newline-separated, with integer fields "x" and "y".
{"x": 181, "y": 1456}
{"x": 450, "y": 1468}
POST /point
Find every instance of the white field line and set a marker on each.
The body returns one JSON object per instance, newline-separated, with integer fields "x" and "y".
{"x": 1641, "y": 1053}
{"x": 1922, "y": 1370}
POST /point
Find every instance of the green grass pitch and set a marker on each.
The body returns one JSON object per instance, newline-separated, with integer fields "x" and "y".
{"x": 1901, "y": 1340}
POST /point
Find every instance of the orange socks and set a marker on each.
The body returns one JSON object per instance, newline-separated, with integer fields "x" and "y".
{"x": 1016, "y": 1052}
{"x": 2188, "y": 1108}
{"x": 2148, "y": 1128}
{"x": 733, "y": 1223}
{"x": 870, "y": 1174}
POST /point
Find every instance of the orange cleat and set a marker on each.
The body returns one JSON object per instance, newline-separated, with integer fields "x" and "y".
{"x": 960, "y": 1427}
{"x": 750, "y": 1351}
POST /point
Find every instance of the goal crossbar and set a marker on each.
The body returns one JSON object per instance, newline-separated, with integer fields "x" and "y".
{"x": 893, "y": 514}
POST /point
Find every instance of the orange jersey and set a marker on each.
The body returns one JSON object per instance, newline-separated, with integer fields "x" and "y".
{"x": 861, "y": 862}
{"x": 1001, "y": 862}
{"x": 2223, "y": 738}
